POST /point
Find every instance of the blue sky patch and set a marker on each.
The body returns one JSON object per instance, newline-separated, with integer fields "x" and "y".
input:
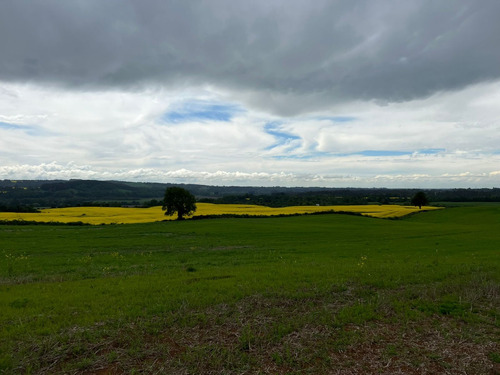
{"x": 281, "y": 136}
{"x": 431, "y": 151}
{"x": 32, "y": 130}
{"x": 308, "y": 156}
{"x": 427, "y": 151}
{"x": 338, "y": 118}
{"x": 384, "y": 153}
{"x": 368, "y": 153}
{"x": 202, "y": 111}
{"x": 6, "y": 125}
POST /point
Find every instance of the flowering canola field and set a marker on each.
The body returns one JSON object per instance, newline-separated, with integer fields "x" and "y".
{"x": 120, "y": 215}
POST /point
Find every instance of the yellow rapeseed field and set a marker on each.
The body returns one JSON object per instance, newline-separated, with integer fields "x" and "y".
{"x": 119, "y": 215}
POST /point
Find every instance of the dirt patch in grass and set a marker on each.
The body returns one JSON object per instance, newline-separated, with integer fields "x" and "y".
{"x": 432, "y": 346}
{"x": 350, "y": 329}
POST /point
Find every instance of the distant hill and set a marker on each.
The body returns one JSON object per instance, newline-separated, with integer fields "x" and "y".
{"x": 76, "y": 192}
{"x": 17, "y": 195}
{"x": 60, "y": 193}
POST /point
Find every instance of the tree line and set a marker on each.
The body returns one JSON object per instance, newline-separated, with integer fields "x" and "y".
{"x": 31, "y": 195}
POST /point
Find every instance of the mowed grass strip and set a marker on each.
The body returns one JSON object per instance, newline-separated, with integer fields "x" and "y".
{"x": 305, "y": 294}
{"x": 122, "y": 215}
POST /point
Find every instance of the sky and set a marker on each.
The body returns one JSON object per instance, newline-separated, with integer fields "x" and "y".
{"x": 359, "y": 93}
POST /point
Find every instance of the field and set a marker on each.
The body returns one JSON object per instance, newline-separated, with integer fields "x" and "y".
{"x": 320, "y": 294}
{"x": 119, "y": 215}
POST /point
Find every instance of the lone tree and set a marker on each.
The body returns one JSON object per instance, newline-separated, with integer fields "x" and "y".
{"x": 178, "y": 200}
{"x": 419, "y": 199}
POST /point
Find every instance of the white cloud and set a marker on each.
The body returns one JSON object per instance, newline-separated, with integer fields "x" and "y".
{"x": 288, "y": 57}
{"x": 71, "y": 170}
{"x": 352, "y": 93}
{"x": 121, "y": 135}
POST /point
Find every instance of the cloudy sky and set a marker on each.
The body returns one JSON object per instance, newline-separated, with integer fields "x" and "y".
{"x": 226, "y": 92}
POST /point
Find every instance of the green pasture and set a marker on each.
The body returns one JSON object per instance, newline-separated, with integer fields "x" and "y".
{"x": 150, "y": 297}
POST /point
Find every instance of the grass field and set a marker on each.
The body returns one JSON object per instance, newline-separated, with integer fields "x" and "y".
{"x": 119, "y": 215}
{"x": 301, "y": 295}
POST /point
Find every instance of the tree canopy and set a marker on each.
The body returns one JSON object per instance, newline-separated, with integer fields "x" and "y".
{"x": 178, "y": 200}
{"x": 420, "y": 199}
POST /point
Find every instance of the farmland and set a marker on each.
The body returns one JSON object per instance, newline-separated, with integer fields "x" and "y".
{"x": 120, "y": 215}
{"x": 302, "y": 294}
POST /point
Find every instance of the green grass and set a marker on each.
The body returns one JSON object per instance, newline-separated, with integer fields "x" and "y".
{"x": 290, "y": 295}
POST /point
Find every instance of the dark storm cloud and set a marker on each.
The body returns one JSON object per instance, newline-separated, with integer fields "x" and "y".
{"x": 288, "y": 56}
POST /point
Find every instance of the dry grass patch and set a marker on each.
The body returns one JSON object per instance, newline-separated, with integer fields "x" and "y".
{"x": 287, "y": 335}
